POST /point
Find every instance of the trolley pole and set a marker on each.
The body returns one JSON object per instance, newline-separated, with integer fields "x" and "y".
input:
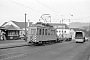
{"x": 25, "y": 27}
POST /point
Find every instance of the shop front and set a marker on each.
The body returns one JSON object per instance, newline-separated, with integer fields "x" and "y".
{"x": 12, "y": 34}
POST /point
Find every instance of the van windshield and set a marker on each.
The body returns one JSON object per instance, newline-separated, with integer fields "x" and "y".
{"x": 79, "y": 34}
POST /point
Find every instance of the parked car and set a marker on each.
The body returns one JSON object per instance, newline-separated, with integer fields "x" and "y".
{"x": 86, "y": 39}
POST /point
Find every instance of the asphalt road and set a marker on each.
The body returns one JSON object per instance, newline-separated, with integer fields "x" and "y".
{"x": 59, "y": 51}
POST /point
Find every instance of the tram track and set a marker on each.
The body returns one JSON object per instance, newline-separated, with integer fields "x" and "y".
{"x": 16, "y": 53}
{"x": 28, "y": 44}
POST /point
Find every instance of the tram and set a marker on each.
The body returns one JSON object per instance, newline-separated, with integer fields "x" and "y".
{"x": 41, "y": 33}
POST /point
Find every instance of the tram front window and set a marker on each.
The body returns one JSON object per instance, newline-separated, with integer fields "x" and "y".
{"x": 33, "y": 31}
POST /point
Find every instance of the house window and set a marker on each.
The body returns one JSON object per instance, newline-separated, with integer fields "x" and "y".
{"x": 13, "y": 33}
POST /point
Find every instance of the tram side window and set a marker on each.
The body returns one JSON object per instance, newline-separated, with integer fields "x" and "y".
{"x": 48, "y": 32}
{"x": 37, "y": 31}
{"x": 40, "y": 32}
{"x": 51, "y": 32}
{"x": 45, "y": 31}
{"x": 54, "y": 32}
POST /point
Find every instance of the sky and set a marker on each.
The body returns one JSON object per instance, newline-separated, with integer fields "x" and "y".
{"x": 75, "y": 10}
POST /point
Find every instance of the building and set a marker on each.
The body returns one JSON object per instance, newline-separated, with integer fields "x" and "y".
{"x": 15, "y": 29}
{"x": 62, "y": 29}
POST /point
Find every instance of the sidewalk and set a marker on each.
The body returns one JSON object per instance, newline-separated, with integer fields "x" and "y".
{"x": 12, "y": 43}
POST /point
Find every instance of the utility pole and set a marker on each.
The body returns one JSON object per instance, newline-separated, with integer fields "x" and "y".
{"x": 69, "y": 24}
{"x": 25, "y": 27}
{"x": 62, "y": 27}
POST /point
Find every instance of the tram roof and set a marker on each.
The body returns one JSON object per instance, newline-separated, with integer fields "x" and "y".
{"x": 40, "y": 24}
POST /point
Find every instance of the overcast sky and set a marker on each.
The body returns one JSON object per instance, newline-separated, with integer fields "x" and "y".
{"x": 16, "y": 9}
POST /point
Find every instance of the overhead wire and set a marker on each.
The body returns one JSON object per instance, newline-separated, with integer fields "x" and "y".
{"x": 57, "y": 12}
{"x": 12, "y": 9}
{"x": 34, "y": 9}
{"x": 48, "y": 7}
{"x": 25, "y": 6}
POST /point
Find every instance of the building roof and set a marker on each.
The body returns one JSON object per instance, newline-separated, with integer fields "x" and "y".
{"x": 21, "y": 24}
{"x": 4, "y": 23}
{"x": 59, "y": 24}
{"x": 11, "y": 27}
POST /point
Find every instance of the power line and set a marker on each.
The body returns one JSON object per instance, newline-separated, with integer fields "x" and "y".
{"x": 12, "y": 9}
{"x": 48, "y": 7}
{"x": 52, "y": 9}
{"x": 25, "y": 6}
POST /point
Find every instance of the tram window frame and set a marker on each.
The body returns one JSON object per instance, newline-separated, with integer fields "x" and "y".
{"x": 48, "y": 32}
{"x": 64, "y": 31}
{"x": 37, "y": 31}
{"x": 42, "y": 31}
{"x": 52, "y": 32}
{"x": 45, "y": 31}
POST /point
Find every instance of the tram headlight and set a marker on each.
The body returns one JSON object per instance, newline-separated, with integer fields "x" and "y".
{"x": 35, "y": 37}
{"x": 35, "y": 40}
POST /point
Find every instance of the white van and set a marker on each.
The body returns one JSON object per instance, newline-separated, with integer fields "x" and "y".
{"x": 79, "y": 36}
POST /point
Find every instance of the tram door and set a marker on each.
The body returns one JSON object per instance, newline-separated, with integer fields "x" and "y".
{"x": 40, "y": 33}
{"x": 32, "y": 34}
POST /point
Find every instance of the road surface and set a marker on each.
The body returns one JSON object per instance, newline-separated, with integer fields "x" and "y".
{"x": 59, "y": 51}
